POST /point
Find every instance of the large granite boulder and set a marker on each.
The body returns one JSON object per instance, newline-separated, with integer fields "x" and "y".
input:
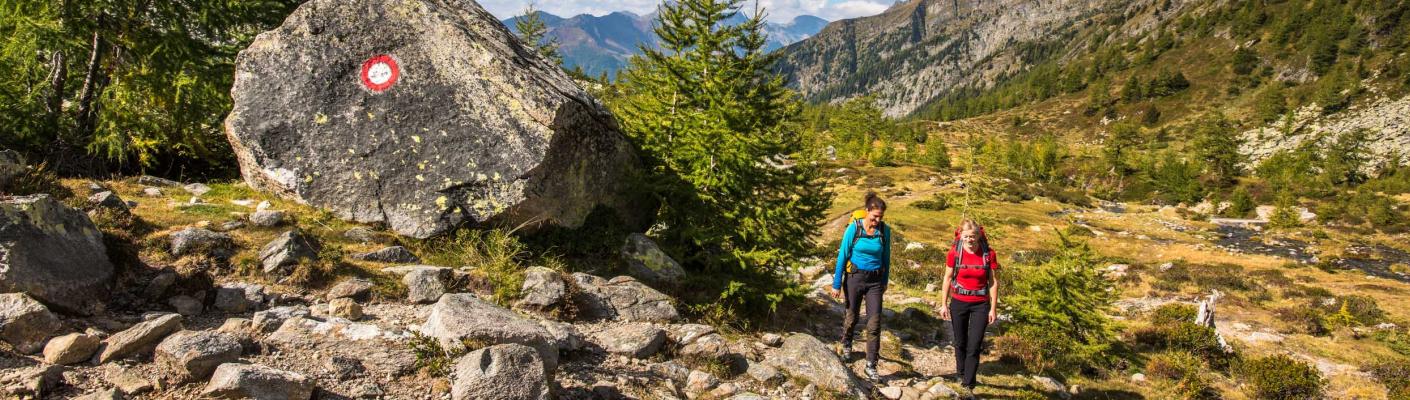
{"x": 463, "y": 316}
{"x": 424, "y": 114}
{"x": 622, "y": 298}
{"x": 53, "y": 253}
{"x": 805, "y": 356}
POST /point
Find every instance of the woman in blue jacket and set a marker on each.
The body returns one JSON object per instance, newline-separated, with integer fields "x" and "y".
{"x": 862, "y": 272}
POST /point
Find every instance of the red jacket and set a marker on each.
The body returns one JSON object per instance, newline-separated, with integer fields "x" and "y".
{"x": 970, "y": 278}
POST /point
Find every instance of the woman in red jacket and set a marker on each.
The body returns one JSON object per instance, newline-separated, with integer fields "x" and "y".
{"x": 972, "y": 290}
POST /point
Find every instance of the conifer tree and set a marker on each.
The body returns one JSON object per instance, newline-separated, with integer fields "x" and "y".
{"x": 1217, "y": 144}
{"x": 717, "y": 128}
{"x": 533, "y": 32}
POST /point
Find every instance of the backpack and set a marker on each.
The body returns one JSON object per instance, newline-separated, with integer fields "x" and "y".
{"x": 882, "y": 229}
{"x": 987, "y": 265}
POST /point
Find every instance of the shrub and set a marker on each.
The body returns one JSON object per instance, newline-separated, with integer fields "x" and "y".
{"x": 1396, "y": 339}
{"x": 496, "y": 255}
{"x": 1196, "y": 387}
{"x": 1394, "y": 374}
{"x": 435, "y": 359}
{"x": 1280, "y": 377}
{"x": 1303, "y": 320}
{"x": 1351, "y": 310}
{"x": 1171, "y": 313}
{"x": 1173, "y": 365}
{"x": 37, "y": 180}
{"x": 1185, "y": 336}
{"x": 938, "y": 202}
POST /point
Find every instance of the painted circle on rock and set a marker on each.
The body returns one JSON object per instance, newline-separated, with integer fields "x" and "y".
{"x": 380, "y": 72}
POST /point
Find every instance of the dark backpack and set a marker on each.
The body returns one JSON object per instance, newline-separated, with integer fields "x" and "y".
{"x": 987, "y": 264}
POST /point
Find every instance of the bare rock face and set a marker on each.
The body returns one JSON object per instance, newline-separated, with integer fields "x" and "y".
{"x": 53, "y": 253}
{"x": 423, "y": 115}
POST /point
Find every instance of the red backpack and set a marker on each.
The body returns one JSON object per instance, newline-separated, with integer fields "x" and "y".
{"x": 987, "y": 264}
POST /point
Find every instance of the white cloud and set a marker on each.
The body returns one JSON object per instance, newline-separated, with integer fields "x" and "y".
{"x": 777, "y": 10}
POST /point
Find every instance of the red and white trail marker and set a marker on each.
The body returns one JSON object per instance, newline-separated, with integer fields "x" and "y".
{"x": 380, "y": 72}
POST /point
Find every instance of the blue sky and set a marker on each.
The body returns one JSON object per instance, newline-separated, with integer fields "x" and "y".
{"x": 777, "y": 10}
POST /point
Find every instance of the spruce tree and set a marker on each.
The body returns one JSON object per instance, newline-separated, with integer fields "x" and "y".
{"x": 1217, "y": 144}
{"x": 717, "y": 129}
{"x": 534, "y": 32}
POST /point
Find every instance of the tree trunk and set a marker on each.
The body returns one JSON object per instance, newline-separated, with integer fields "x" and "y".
{"x": 90, "y": 85}
{"x": 58, "y": 72}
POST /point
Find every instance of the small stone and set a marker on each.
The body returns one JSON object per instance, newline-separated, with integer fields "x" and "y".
{"x": 427, "y": 284}
{"x": 129, "y": 382}
{"x": 196, "y": 354}
{"x": 288, "y": 250}
{"x": 185, "y": 305}
{"x": 1138, "y": 377}
{"x": 772, "y": 339}
{"x": 191, "y": 241}
{"x": 238, "y": 298}
{"x": 505, "y": 371}
{"x": 107, "y": 394}
{"x": 700, "y": 381}
{"x": 543, "y": 289}
{"x": 156, "y": 181}
{"x": 391, "y": 254}
{"x": 151, "y": 192}
{"x": 633, "y": 340}
{"x": 354, "y": 288}
{"x": 271, "y": 319}
{"x": 891, "y": 392}
{"x": 257, "y": 382}
{"x": 199, "y": 189}
{"x": 362, "y": 235}
{"x": 156, "y": 289}
{"x": 72, "y": 348}
{"x": 763, "y": 373}
{"x": 345, "y": 308}
{"x": 344, "y": 367}
{"x": 108, "y": 200}
{"x": 267, "y": 218}
{"x": 236, "y": 325}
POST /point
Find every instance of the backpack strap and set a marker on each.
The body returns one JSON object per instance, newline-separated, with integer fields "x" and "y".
{"x": 857, "y": 232}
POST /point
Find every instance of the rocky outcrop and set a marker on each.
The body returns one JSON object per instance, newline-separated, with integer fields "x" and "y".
{"x": 423, "y": 115}
{"x": 464, "y": 316}
{"x": 646, "y": 260}
{"x": 248, "y": 381}
{"x": 53, "y": 253}
{"x": 623, "y": 298}
{"x": 24, "y": 323}
{"x": 1386, "y": 123}
{"x": 506, "y": 371}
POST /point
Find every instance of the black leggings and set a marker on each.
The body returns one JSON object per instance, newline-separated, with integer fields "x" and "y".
{"x": 869, "y": 286}
{"x": 967, "y": 323}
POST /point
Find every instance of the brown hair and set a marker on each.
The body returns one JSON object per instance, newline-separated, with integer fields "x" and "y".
{"x": 874, "y": 202}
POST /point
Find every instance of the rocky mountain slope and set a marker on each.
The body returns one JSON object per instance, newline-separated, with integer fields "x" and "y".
{"x": 603, "y": 44}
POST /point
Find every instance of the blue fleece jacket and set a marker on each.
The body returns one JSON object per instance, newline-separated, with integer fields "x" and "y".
{"x": 870, "y": 254}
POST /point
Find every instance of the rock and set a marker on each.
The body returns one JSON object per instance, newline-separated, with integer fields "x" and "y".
{"x": 192, "y": 241}
{"x": 565, "y": 335}
{"x": 344, "y": 367}
{"x": 427, "y": 284}
{"x": 700, "y": 381}
{"x": 108, "y": 200}
{"x": 417, "y": 154}
{"x": 238, "y": 298}
{"x": 803, "y": 355}
{"x": 108, "y": 394}
{"x": 671, "y": 370}
{"x": 155, "y": 181}
{"x": 632, "y": 340}
{"x": 1138, "y": 377}
{"x": 198, "y": 189}
{"x": 684, "y": 334}
{"x": 711, "y": 347}
{"x": 156, "y": 289}
{"x": 151, "y": 192}
{"x": 267, "y": 218}
{"x": 506, "y": 371}
{"x": 129, "y": 382}
{"x": 646, "y": 261}
{"x": 345, "y": 308}
{"x": 238, "y": 381}
{"x": 288, "y": 250}
{"x": 236, "y": 326}
{"x": 362, "y": 235}
{"x": 623, "y": 298}
{"x": 771, "y": 339}
{"x": 463, "y": 316}
{"x": 940, "y": 390}
{"x": 392, "y": 254}
{"x": 543, "y": 290}
{"x": 36, "y": 382}
{"x": 891, "y": 392}
{"x": 762, "y": 372}
{"x": 196, "y": 354}
{"x": 353, "y": 288}
{"x": 72, "y": 348}
{"x": 1052, "y": 385}
{"x": 140, "y": 338}
{"x": 931, "y": 288}
{"x": 914, "y": 246}
{"x": 25, "y": 323}
{"x": 271, "y": 319}
{"x": 185, "y": 305}
{"x": 53, "y": 253}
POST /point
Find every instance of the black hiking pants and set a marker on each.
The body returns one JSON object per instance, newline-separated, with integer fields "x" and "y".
{"x": 967, "y": 323}
{"x": 864, "y": 285}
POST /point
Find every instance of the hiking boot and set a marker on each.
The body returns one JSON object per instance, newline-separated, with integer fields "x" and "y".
{"x": 967, "y": 393}
{"x": 871, "y": 373}
{"x": 844, "y": 351}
